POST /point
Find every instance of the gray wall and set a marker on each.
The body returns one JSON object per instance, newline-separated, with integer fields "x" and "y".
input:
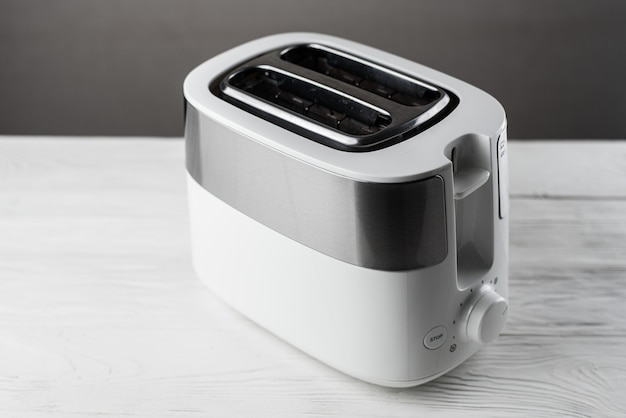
{"x": 116, "y": 67}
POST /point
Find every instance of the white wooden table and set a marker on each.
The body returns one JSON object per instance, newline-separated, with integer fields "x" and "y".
{"x": 102, "y": 315}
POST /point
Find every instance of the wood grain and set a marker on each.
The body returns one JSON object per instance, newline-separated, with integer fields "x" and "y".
{"x": 101, "y": 314}
{"x": 569, "y": 169}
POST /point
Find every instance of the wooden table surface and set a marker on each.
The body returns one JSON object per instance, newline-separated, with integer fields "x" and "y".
{"x": 102, "y": 315}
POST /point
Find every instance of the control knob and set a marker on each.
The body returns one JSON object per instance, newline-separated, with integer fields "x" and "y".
{"x": 486, "y": 316}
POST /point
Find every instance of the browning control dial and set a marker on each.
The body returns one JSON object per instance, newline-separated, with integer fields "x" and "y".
{"x": 486, "y": 316}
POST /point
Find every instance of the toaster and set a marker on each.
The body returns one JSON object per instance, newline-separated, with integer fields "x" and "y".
{"x": 351, "y": 202}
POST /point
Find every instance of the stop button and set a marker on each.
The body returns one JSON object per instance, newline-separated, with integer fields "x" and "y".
{"x": 435, "y": 337}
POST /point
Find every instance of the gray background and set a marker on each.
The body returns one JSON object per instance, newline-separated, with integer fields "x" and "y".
{"x": 116, "y": 67}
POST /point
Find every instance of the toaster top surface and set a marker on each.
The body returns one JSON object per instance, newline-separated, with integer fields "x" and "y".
{"x": 344, "y": 107}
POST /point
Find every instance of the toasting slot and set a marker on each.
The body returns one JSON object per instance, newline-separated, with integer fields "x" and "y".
{"x": 328, "y": 107}
{"x": 335, "y": 98}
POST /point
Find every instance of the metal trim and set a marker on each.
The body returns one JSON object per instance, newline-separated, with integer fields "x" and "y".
{"x": 383, "y": 226}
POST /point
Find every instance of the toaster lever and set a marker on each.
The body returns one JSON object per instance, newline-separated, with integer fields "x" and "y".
{"x": 468, "y": 180}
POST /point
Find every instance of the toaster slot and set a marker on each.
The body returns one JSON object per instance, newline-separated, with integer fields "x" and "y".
{"x": 316, "y": 102}
{"x": 367, "y": 76}
{"x": 333, "y": 97}
{"x": 473, "y": 207}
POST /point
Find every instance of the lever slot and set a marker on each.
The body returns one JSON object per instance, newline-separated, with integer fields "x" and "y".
{"x": 473, "y": 207}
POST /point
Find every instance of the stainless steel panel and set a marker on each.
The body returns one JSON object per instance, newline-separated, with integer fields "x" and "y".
{"x": 385, "y": 226}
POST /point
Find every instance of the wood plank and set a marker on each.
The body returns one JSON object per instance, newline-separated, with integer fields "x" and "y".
{"x": 595, "y": 169}
{"x": 101, "y": 314}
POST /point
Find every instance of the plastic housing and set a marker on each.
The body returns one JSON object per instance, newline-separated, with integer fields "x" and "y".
{"x": 368, "y": 259}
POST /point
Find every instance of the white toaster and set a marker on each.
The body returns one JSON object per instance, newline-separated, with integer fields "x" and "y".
{"x": 351, "y": 202}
